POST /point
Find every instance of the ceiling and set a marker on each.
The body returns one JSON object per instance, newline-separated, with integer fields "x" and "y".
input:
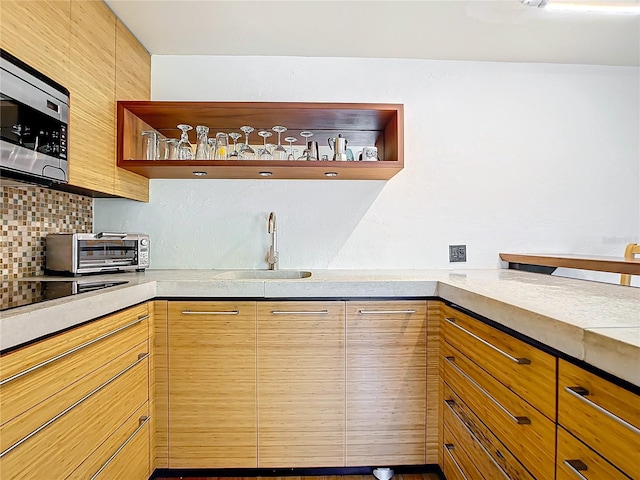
{"x": 479, "y": 30}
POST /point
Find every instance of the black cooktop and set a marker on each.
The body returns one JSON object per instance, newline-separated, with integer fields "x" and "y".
{"x": 18, "y": 293}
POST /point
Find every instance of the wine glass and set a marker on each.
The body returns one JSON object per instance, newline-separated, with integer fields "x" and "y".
{"x": 246, "y": 152}
{"x": 306, "y": 153}
{"x": 185, "y": 151}
{"x": 279, "y": 153}
{"x": 291, "y": 140}
{"x": 234, "y": 155}
{"x": 264, "y": 153}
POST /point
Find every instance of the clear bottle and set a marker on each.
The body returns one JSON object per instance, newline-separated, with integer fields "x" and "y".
{"x": 202, "y": 144}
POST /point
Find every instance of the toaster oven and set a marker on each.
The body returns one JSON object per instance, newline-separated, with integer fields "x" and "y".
{"x": 81, "y": 253}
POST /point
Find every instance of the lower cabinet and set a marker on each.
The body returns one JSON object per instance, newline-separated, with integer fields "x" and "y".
{"x": 67, "y": 401}
{"x": 301, "y": 384}
{"x": 386, "y": 382}
{"x": 212, "y": 384}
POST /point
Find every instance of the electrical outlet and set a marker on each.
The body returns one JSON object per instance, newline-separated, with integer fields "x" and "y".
{"x": 457, "y": 253}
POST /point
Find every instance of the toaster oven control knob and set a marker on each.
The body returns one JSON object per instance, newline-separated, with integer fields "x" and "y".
{"x": 144, "y": 242}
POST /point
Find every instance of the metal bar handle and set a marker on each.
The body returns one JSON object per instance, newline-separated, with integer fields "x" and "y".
{"x": 223, "y": 312}
{"x": 73, "y": 350}
{"x": 110, "y": 234}
{"x": 385, "y": 312}
{"x": 576, "y": 466}
{"x": 581, "y": 393}
{"x": 302, "y": 312}
{"x": 519, "y": 361}
{"x": 449, "y": 404}
{"x": 448, "y": 447}
{"x": 143, "y": 421}
{"x": 518, "y": 420}
{"x": 141, "y": 357}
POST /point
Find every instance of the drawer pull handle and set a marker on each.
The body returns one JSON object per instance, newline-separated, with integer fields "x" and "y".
{"x": 141, "y": 357}
{"x": 223, "y": 312}
{"x": 143, "y": 421}
{"x": 386, "y": 312}
{"x": 518, "y": 420}
{"x": 581, "y": 393}
{"x": 73, "y": 350}
{"x": 448, "y": 447}
{"x": 519, "y": 361}
{"x": 302, "y": 312}
{"x": 450, "y": 404}
{"x": 576, "y": 466}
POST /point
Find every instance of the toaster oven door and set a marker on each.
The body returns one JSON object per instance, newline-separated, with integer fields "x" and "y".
{"x": 106, "y": 253}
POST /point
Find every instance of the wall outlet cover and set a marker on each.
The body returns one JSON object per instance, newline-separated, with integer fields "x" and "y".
{"x": 457, "y": 253}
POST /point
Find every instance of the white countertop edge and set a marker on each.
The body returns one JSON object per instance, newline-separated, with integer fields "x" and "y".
{"x": 599, "y": 347}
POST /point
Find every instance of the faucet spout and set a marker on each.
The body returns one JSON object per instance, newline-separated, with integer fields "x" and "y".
{"x": 272, "y": 257}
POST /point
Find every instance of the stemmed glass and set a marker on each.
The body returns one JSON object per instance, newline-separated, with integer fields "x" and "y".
{"x": 306, "y": 153}
{"x": 234, "y": 155}
{"x": 185, "y": 151}
{"x": 279, "y": 153}
{"x": 246, "y": 152}
{"x": 264, "y": 153}
{"x": 291, "y": 140}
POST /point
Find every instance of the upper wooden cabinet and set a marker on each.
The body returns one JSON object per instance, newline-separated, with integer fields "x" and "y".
{"x": 84, "y": 47}
{"x": 362, "y": 124}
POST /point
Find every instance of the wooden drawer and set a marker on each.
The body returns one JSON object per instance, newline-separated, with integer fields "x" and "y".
{"x": 115, "y": 445}
{"x": 526, "y": 432}
{"x": 386, "y": 379}
{"x": 603, "y": 415}
{"x": 457, "y": 463}
{"x": 524, "y": 369}
{"x": 60, "y": 445}
{"x": 577, "y": 461}
{"x": 38, "y": 371}
{"x": 487, "y": 453}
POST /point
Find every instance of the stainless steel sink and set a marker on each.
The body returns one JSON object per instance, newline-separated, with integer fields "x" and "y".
{"x": 263, "y": 274}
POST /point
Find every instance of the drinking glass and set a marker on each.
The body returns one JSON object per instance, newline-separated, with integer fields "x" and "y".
{"x": 171, "y": 150}
{"x": 222, "y": 146}
{"x": 291, "y": 140}
{"x": 246, "y": 152}
{"x": 151, "y": 144}
{"x": 212, "y": 148}
{"x": 306, "y": 153}
{"x": 264, "y": 153}
{"x": 234, "y": 155}
{"x": 185, "y": 151}
{"x": 202, "y": 145}
{"x": 279, "y": 153}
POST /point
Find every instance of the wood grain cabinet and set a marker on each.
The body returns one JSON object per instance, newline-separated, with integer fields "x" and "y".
{"x": 301, "y": 382}
{"x": 496, "y": 382}
{"x": 212, "y": 384}
{"x": 81, "y": 45}
{"x": 386, "y": 382}
{"x": 599, "y": 426}
{"x": 67, "y": 399}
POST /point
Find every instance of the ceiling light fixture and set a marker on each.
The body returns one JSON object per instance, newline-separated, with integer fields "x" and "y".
{"x": 265, "y": 174}
{"x": 200, "y": 174}
{"x": 603, "y": 6}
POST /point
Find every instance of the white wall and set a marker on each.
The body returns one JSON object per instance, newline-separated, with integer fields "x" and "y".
{"x": 501, "y": 157}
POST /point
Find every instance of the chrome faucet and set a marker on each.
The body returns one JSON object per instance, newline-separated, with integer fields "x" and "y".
{"x": 272, "y": 257}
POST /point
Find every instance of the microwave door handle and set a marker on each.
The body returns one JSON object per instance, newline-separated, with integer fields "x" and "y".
{"x": 110, "y": 235}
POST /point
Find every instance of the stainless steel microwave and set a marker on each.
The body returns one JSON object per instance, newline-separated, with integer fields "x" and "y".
{"x": 34, "y": 118}
{"x": 80, "y": 253}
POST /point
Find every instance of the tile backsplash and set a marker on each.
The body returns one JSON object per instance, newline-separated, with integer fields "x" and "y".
{"x": 28, "y": 214}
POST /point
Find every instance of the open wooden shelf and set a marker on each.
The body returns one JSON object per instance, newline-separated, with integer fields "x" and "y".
{"x": 581, "y": 262}
{"x": 362, "y": 124}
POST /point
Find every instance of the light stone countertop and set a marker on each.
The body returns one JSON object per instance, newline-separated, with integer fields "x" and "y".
{"x": 595, "y": 322}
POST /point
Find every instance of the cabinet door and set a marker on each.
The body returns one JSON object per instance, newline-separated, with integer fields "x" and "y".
{"x": 212, "y": 384}
{"x": 92, "y": 87}
{"x": 133, "y": 82}
{"x": 386, "y": 382}
{"x": 37, "y": 32}
{"x": 300, "y": 384}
